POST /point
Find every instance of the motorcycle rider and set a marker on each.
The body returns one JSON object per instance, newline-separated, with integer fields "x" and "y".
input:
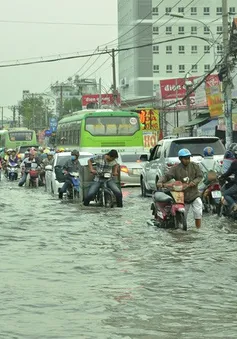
{"x": 48, "y": 161}
{"x": 104, "y": 163}
{"x": 28, "y": 163}
{"x": 228, "y": 194}
{"x": 191, "y": 173}
{"x": 72, "y": 165}
{"x": 228, "y": 157}
{"x": 13, "y": 158}
{"x": 208, "y": 161}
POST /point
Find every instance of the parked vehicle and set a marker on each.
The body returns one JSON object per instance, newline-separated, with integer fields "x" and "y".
{"x": 12, "y": 172}
{"x": 105, "y": 196}
{"x": 57, "y": 178}
{"x": 130, "y": 168}
{"x": 165, "y": 154}
{"x": 73, "y": 190}
{"x": 168, "y": 206}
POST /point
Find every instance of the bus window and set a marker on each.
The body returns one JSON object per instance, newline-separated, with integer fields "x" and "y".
{"x": 20, "y": 136}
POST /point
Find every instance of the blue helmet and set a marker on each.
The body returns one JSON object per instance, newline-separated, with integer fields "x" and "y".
{"x": 208, "y": 151}
{"x": 184, "y": 152}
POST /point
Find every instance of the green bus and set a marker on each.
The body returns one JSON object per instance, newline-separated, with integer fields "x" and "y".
{"x": 15, "y": 137}
{"x": 98, "y": 131}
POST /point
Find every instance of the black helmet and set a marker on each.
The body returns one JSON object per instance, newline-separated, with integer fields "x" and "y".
{"x": 75, "y": 152}
{"x": 231, "y": 147}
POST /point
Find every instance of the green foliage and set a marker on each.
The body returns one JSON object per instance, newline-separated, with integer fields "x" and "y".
{"x": 35, "y": 112}
{"x": 71, "y": 105}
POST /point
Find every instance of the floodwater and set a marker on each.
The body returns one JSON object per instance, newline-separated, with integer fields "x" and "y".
{"x": 89, "y": 273}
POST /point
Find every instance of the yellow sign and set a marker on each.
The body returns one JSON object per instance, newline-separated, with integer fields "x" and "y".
{"x": 149, "y": 118}
{"x": 214, "y": 95}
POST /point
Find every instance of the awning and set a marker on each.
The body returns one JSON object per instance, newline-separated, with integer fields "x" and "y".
{"x": 196, "y": 121}
{"x": 210, "y": 126}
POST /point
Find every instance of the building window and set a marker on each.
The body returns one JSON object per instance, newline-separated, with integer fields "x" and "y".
{"x": 219, "y": 49}
{"x": 181, "y": 9}
{"x": 219, "y": 29}
{"x": 193, "y": 30}
{"x": 206, "y": 30}
{"x": 194, "y": 49}
{"x": 232, "y": 10}
{"x": 206, "y": 11}
{"x": 156, "y": 49}
{"x": 156, "y": 30}
{"x": 194, "y": 68}
{"x": 169, "y": 69}
{"x": 218, "y": 10}
{"x": 206, "y": 49}
{"x": 168, "y": 30}
{"x": 181, "y": 30}
{"x": 168, "y": 10}
{"x": 181, "y": 68}
{"x": 156, "y": 68}
{"x": 155, "y": 10}
{"x": 168, "y": 49}
{"x": 193, "y": 11}
{"x": 206, "y": 68}
{"x": 181, "y": 50}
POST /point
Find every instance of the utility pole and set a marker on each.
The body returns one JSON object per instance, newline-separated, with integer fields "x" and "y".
{"x": 99, "y": 103}
{"x": 227, "y": 79}
{"x": 61, "y": 100}
{"x": 14, "y": 116}
{"x": 115, "y": 93}
{"x": 2, "y": 117}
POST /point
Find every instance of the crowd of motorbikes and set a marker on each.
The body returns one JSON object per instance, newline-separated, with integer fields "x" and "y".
{"x": 168, "y": 207}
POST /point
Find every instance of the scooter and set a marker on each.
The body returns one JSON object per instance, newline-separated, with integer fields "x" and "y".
{"x": 212, "y": 200}
{"x": 224, "y": 209}
{"x": 12, "y": 171}
{"x": 168, "y": 206}
{"x": 33, "y": 178}
{"x": 73, "y": 191}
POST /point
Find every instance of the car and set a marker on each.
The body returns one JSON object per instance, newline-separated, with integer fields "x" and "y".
{"x": 130, "y": 168}
{"x": 165, "y": 154}
{"x": 22, "y": 149}
{"x": 57, "y": 177}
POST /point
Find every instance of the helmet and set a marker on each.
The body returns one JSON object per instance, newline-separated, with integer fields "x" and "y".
{"x": 184, "y": 152}
{"x": 231, "y": 147}
{"x": 61, "y": 149}
{"x": 234, "y": 150}
{"x": 10, "y": 150}
{"x": 27, "y": 152}
{"x": 208, "y": 151}
{"x": 51, "y": 153}
{"x": 40, "y": 148}
{"x": 75, "y": 152}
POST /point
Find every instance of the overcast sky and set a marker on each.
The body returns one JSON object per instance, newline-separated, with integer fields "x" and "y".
{"x": 22, "y": 41}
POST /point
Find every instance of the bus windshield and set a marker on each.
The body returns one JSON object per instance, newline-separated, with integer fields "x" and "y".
{"x": 20, "y": 136}
{"x": 112, "y": 125}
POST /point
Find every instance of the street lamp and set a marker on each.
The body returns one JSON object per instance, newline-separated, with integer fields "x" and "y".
{"x": 181, "y": 16}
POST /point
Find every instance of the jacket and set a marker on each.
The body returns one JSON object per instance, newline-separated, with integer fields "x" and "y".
{"x": 231, "y": 170}
{"x": 179, "y": 172}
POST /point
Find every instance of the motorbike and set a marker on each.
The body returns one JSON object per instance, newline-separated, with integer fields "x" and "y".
{"x": 73, "y": 191}
{"x": 168, "y": 206}
{"x": 105, "y": 196}
{"x": 12, "y": 171}
{"x": 224, "y": 209}
{"x": 33, "y": 176}
{"x": 212, "y": 200}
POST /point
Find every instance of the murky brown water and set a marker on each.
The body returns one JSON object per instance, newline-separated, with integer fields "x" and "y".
{"x": 83, "y": 273}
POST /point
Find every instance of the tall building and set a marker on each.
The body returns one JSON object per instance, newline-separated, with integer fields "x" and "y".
{"x": 186, "y": 37}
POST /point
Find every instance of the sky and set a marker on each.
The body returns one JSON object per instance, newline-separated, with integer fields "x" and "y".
{"x": 23, "y": 41}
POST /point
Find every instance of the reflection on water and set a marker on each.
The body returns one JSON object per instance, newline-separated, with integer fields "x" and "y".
{"x": 72, "y": 272}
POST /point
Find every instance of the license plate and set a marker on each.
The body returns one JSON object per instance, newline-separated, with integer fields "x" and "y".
{"x": 216, "y": 194}
{"x": 136, "y": 171}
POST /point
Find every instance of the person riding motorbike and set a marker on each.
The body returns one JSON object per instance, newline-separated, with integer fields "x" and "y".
{"x": 190, "y": 173}
{"x": 104, "y": 163}
{"x": 13, "y": 158}
{"x": 228, "y": 157}
{"x": 48, "y": 161}
{"x": 29, "y": 163}
{"x": 72, "y": 165}
{"x": 230, "y": 192}
{"x": 208, "y": 162}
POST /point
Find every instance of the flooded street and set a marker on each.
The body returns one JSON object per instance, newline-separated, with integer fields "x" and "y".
{"x": 86, "y": 273}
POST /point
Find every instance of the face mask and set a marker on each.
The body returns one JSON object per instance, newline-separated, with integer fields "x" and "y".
{"x": 73, "y": 157}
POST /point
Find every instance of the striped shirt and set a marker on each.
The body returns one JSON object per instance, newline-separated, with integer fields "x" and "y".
{"x": 102, "y": 165}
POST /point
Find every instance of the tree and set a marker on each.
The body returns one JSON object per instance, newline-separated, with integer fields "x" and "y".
{"x": 71, "y": 105}
{"x": 35, "y": 112}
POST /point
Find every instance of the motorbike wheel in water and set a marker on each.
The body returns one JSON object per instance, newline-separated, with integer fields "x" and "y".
{"x": 180, "y": 220}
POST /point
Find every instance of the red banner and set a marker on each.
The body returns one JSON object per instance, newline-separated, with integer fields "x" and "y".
{"x": 174, "y": 88}
{"x": 106, "y": 99}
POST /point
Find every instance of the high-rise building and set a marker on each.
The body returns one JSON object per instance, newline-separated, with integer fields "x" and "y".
{"x": 186, "y": 39}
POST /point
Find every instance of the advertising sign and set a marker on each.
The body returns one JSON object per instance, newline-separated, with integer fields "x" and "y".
{"x": 106, "y": 99}
{"x": 214, "y": 95}
{"x": 149, "y": 118}
{"x": 150, "y": 139}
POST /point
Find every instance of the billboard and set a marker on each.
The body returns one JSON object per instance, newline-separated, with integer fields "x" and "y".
{"x": 214, "y": 95}
{"x": 172, "y": 90}
{"x": 149, "y": 118}
{"x": 93, "y": 100}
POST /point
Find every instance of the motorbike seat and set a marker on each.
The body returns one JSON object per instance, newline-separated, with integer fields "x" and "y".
{"x": 162, "y": 197}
